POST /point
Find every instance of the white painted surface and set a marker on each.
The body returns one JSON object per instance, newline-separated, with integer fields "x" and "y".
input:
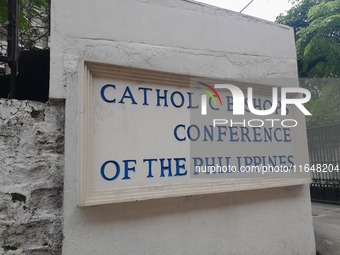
{"x": 166, "y": 36}
{"x": 144, "y": 128}
{"x": 272, "y": 221}
{"x": 180, "y": 37}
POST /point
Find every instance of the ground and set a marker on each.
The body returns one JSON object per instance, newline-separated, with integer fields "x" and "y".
{"x": 326, "y": 219}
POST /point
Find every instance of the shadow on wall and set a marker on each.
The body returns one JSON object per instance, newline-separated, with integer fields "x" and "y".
{"x": 113, "y": 213}
{"x": 33, "y": 77}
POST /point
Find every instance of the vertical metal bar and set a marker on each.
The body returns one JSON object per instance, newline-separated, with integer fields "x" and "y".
{"x": 324, "y": 148}
{"x": 12, "y": 48}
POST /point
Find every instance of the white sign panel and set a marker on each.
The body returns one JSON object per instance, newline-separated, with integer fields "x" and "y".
{"x": 147, "y": 134}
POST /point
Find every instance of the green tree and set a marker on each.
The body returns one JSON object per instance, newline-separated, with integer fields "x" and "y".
{"x": 317, "y": 33}
{"x": 325, "y": 107}
{"x": 318, "y": 47}
{"x": 296, "y": 17}
{"x": 34, "y": 23}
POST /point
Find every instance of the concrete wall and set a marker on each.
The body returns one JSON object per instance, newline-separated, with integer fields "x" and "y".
{"x": 174, "y": 36}
{"x": 187, "y": 38}
{"x": 31, "y": 177}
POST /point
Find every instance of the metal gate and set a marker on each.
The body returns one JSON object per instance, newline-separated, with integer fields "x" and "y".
{"x": 9, "y": 43}
{"x": 324, "y": 149}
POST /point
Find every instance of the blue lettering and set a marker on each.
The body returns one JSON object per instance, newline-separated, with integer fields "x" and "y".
{"x": 102, "y": 93}
{"x": 127, "y": 94}
{"x": 220, "y": 133}
{"x": 257, "y": 134}
{"x": 197, "y": 162}
{"x": 190, "y": 101}
{"x": 190, "y": 133}
{"x": 180, "y": 166}
{"x": 145, "y": 93}
{"x": 165, "y": 167}
{"x": 127, "y": 168}
{"x": 150, "y": 166}
{"x": 211, "y": 105}
{"x": 164, "y": 97}
{"x": 229, "y": 103}
{"x": 275, "y": 135}
{"x": 233, "y": 134}
{"x": 117, "y": 169}
{"x": 173, "y": 102}
{"x": 176, "y": 135}
{"x": 286, "y": 135}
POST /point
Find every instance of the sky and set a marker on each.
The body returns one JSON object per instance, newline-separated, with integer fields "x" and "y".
{"x": 265, "y": 9}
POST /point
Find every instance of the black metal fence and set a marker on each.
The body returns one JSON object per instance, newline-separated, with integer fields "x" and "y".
{"x": 324, "y": 154}
{"x": 9, "y": 42}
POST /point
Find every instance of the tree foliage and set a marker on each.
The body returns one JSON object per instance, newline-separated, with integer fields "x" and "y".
{"x": 296, "y": 17}
{"x": 318, "y": 44}
{"x": 317, "y": 33}
{"x": 325, "y": 108}
{"x": 34, "y": 22}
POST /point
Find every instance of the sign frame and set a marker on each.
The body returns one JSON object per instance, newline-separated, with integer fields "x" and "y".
{"x": 89, "y": 197}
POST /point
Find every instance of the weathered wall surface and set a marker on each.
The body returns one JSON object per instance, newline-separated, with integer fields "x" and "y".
{"x": 182, "y": 37}
{"x": 179, "y": 36}
{"x": 31, "y": 177}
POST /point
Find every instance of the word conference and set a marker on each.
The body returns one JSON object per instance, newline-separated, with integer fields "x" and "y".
{"x": 222, "y": 131}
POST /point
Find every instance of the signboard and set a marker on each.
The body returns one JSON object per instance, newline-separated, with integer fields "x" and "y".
{"x": 147, "y": 134}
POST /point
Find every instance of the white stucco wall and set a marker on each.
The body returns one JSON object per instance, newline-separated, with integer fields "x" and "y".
{"x": 188, "y": 38}
{"x": 173, "y": 36}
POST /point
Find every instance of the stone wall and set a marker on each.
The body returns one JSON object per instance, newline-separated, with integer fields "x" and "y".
{"x": 31, "y": 176}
